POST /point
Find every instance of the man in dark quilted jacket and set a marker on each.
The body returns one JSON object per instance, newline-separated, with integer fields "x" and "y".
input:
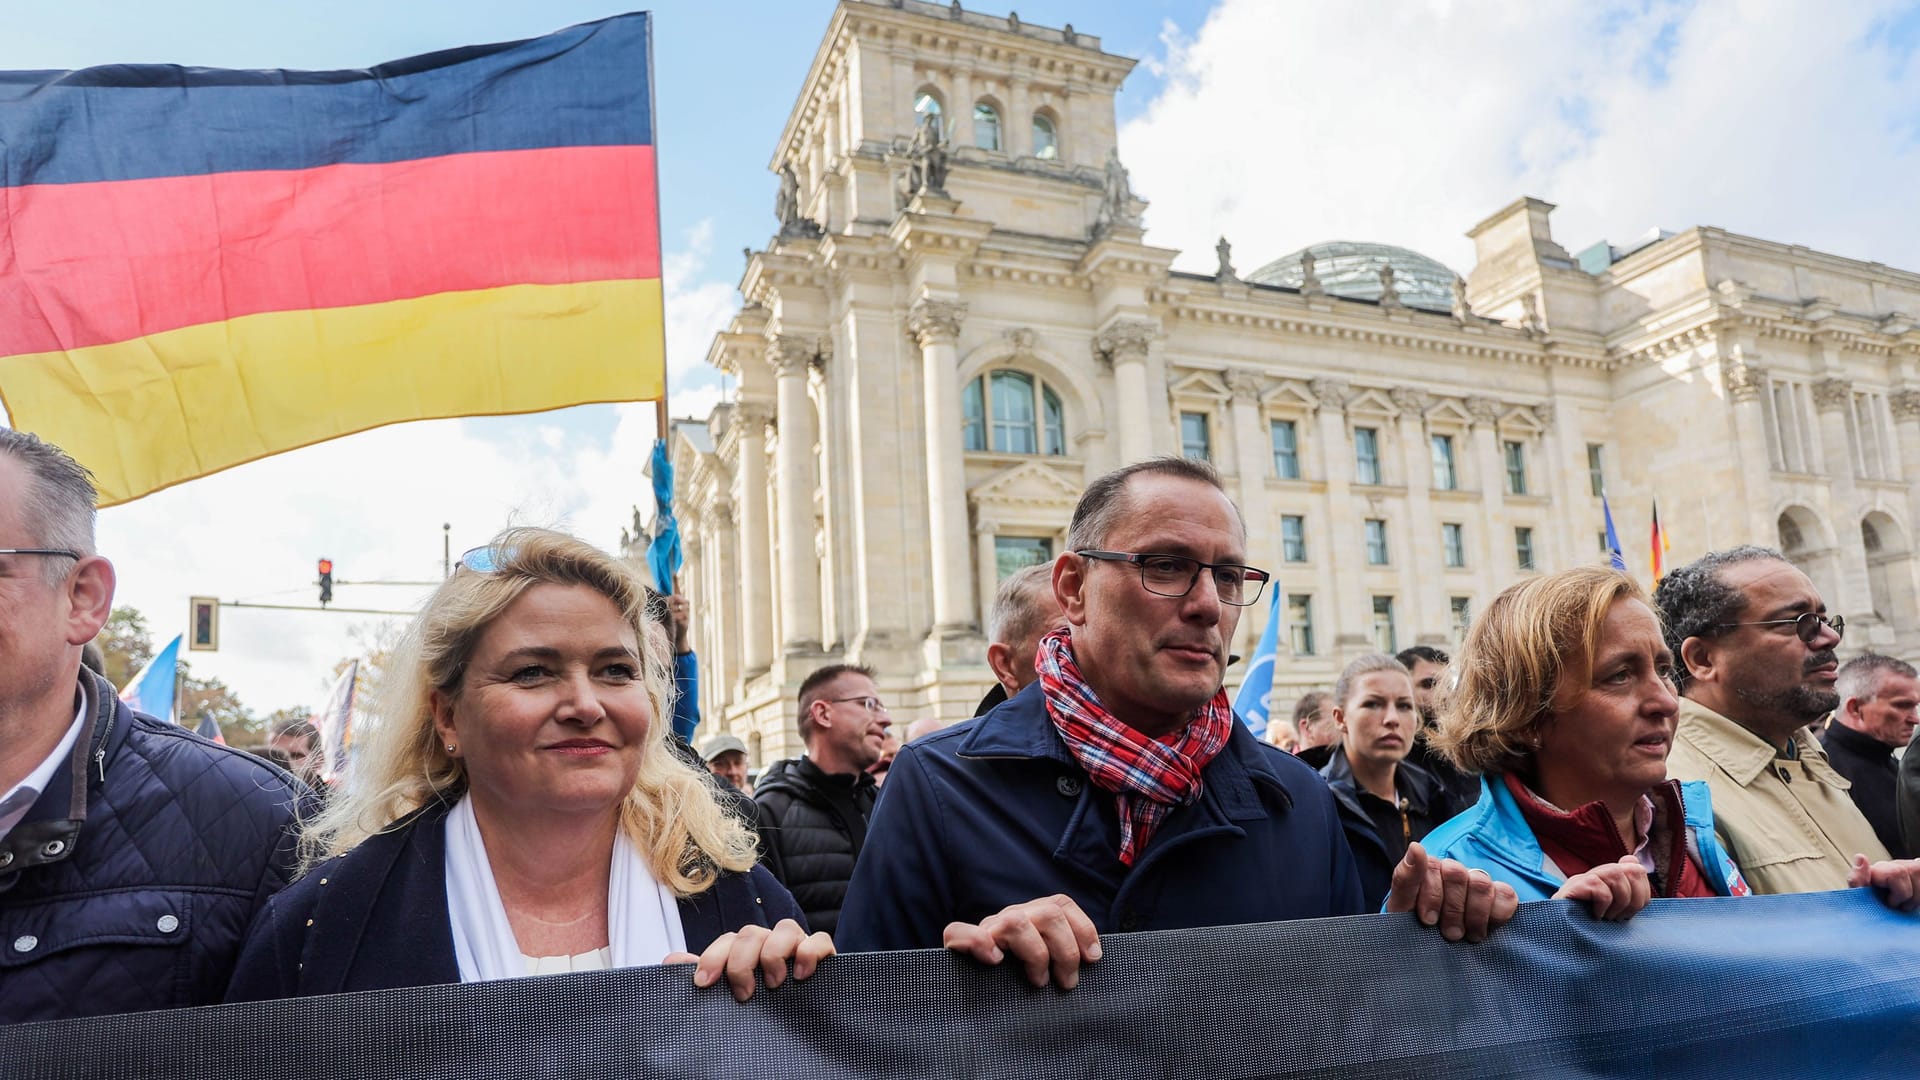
{"x": 133, "y": 854}
{"x": 814, "y": 809}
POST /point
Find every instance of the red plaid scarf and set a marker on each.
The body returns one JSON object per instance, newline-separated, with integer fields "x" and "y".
{"x": 1149, "y": 777}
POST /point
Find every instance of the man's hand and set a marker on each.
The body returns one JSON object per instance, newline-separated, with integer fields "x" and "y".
{"x": 679, "y": 613}
{"x": 1464, "y": 904}
{"x": 1618, "y": 891}
{"x": 1896, "y": 880}
{"x": 1051, "y": 937}
{"x": 738, "y": 954}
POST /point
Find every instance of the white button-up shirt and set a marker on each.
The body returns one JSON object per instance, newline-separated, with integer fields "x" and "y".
{"x": 17, "y": 802}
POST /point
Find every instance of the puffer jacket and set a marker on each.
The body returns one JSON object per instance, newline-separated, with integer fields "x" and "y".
{"x": 812, "y": 827}
{"x": 132, "y": 880}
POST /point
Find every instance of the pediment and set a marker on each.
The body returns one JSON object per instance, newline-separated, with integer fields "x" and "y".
{"x": 1370, "y": 400}
{"x": 1201, "y": 384}
{"x": 1521, "y": 418}
{"x": 1449, "y": 411}
{"x": 1029, "y": 483}
{"x": 1290, "y": 395}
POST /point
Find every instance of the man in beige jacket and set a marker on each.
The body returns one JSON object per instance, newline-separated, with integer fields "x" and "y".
{"x": 1754, "y": 649}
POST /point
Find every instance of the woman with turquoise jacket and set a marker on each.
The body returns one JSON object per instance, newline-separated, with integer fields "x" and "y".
{"x": 1564, "y": 703}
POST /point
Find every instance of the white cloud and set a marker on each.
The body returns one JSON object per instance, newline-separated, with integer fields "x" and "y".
{"x": 1285, "y": 124}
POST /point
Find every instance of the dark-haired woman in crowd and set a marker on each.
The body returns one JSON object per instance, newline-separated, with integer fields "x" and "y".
{"x": 514, "y": 809}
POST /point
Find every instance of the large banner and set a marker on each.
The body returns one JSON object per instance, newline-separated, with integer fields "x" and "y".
{"x": 1825, "y": 985}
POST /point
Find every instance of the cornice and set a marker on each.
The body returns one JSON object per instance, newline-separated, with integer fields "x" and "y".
{"x": 1424, "y": 331}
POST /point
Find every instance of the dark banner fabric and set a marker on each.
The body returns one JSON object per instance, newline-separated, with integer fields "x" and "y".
{"x": 1824, "y": 985}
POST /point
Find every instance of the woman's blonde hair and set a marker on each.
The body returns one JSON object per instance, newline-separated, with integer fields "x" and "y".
{"x": 1528, "y": 656}
{"x": 399, "y": 764}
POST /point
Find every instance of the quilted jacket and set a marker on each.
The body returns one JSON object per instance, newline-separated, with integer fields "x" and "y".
{"x": 812, "y": 826}
{"x": 131, "y": 882}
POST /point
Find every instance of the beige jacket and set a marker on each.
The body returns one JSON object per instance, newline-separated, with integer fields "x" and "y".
{"x": 1790, "y": 826}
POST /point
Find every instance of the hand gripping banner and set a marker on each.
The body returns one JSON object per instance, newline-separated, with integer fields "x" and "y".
{"x": 1824, "y": 985}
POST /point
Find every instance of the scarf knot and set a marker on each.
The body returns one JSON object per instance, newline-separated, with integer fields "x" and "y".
{"x": 1148, "y": 777}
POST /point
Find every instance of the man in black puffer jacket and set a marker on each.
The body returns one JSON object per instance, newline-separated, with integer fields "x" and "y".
{"x": 133, "y": 854}
{"x": 814, "y": 809}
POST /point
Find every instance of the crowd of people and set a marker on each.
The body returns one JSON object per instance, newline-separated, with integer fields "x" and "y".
{"x": 529, "y": 799}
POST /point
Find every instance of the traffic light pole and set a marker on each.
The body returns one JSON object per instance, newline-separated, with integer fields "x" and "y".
{"x": 299, "y": 607}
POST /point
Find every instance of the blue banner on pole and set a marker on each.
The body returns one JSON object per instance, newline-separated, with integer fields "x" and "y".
{"x": 151, "y": 691}
{"x": 1616, "y": 557}
{"x": 663, "y": 552}
{"x": 1257, "y": 686}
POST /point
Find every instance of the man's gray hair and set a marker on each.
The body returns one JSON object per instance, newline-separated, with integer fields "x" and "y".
{"x": 1104, "y": 502}
{"x": 1014, "y": 615}
{"x": 59, "y": 500}
{"x": 1860, "y": 678}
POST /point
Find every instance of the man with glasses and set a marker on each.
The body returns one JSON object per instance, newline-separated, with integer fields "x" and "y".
{"x": 1753, "y": 650}
{"x": 133, "y": 854}
{"x": 1117, "y": 792}
{"x": 813, "y": 809}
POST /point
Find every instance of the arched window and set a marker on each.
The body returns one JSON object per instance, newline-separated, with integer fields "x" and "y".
{"x": 1011, "y": 412}
{"x": 986, "y": 126}
{"x": 1046, "y": 141}
{"x": 926, "y": 104}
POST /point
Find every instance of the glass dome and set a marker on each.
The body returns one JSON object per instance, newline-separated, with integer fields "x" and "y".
{"x": 1352, "y": 270}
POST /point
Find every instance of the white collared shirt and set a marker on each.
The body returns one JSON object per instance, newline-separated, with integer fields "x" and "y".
{"x": 24, "y": 794}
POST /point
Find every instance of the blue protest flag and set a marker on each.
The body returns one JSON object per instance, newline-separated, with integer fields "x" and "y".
{"x": 151, "y": 691}
{"x": 1251, "y": 702}
{"x": 663, "y": 553}
{"x": 210, "y": 729}
{"x": 1615, "y": 557}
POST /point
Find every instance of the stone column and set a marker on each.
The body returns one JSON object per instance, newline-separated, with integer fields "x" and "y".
{"x": 794, "y": 482}
{"x": 1124, "y": 346}
{"x": 1833, "y": 398}
{"x": 1501, "y": 559}
{"x": 750, "y": 509}
{"x": 1348, "y": 612}
{"x": 1421, "y": 579}
{"x": 1548, "y": 474}
{"x": 960, "y": 110}
{"x": 1904, "y": 403}
{"x": 986, "y": 565}
{"x": 1253, "y": 457}
{"x": 1016, "y": 131}
{"x": 935, "y": 325}
{"x": 1745, "y": 379}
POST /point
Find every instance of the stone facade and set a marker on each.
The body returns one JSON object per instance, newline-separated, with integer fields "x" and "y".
{"x": 929, "y": 371}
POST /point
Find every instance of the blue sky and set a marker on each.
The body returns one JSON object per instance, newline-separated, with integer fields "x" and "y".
{"x": 1279, "y": 123}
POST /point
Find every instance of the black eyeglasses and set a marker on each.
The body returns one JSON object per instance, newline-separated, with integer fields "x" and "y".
{"x": 1176, "y": 575}
{"x": 43, "y": 551}
{"x": 873, "y": 705}
{"x": 1806, "y": 627}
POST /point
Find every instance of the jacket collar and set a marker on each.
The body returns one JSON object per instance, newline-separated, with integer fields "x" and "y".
{"x": 1858, "y": 742}
{"x": 1410, "y": 781}
{"x": 1741, "y": 754}
{"x": 1021, "y": 729}
{"x": 51, "y": 830}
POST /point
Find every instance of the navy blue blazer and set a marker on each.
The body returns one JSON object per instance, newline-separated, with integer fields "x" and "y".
{"x": 996, "y": 811}
{"x": 376, "y": 918}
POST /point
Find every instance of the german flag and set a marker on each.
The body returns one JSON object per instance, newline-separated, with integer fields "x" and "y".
{"x": 200, "y": 267}
{"x": 1658, "y": 545}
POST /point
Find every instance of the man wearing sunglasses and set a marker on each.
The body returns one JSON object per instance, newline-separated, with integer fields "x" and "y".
{"x": 133, "y": 854}
{"x": 1753, "y": 650}
{"x": 1118, "y": 792}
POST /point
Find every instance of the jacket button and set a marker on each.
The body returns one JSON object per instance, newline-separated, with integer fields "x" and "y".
{"x": 25, "y": 943}
{"x": 6, "y": 858}
{"x": 168, "y": 924}
{"x": 1068, "y": 785}
{"x": 53, "y": 848}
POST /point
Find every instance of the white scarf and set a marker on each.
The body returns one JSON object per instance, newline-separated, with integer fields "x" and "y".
{"x": 643, "y": 916}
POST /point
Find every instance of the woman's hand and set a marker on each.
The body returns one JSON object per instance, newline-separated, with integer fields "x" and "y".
{"x": 1618, "y": 891}
{"x": 737, "y": 955}
{"x": 1466, "y": 905}
{"x": 1896, "y": 880}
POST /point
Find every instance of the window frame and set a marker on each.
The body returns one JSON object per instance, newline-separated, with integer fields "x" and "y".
{"x": 1300, "y": 624}
{"x": 1040, "y": 117}
{"x": 1375, "y": 532}
{"x": 1525, "y": 558}
{"x": 1289, "y": 545}
{"x": 1513, "y": 453}
{"x": 980, "y": 432}
{"x": 1453, "y": 545}
{"x": 1597, "y": 468}
{"x": 1206, "y": 434}
{"x": 1450, "y": 461}
{"x": 1292, "y": 453}
{"x": 994, "y": 123}
{"x": 1392, "y": 643}
{"x": 1367, "y": 465}
{"x": 1045, "y": 544}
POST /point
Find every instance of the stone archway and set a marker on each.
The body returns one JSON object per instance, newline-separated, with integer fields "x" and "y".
{"x": 1808, "y": 544}
{"x": 1890, "y": 576}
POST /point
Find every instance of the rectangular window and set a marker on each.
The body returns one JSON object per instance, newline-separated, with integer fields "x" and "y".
{"x": 1376, "y": 542}
{"x": 1596, "y": 475}
{"x": 1366, "y": 456}
{"x": 1523, "y": 547}
{"x": 1445, "y": 477}
{"x": 1300, "y": 623}
{"x": 1293, "y": 538}
{"x": 1600, "y": 539}
{"x": 1462, "y": 607}
{"x": 1012, "y": 554}
{"x": 974, "y": 412}
{"x": 1516, "y": 468}
{"x": 1453, "y": 544}
{"x": 1384, "y": 638}
{"x": 1286, "y": 450}
{"x": 1194, "y": 440}
{"x": 1011, "y": 395}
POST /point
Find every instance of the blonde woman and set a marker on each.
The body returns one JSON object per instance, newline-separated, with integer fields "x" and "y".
{"x": 514, "y": 810}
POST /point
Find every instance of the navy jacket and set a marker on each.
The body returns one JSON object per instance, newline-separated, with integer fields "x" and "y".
{"x": 376, "y": 918}
{"x": 131, "y": 882}
{"x": 1427, "y": 807}
{"x": 995, "y": 812}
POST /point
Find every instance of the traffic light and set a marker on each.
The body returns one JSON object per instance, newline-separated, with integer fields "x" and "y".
{"x": 326, "y": 582}
{"x": 204, "y": 622}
